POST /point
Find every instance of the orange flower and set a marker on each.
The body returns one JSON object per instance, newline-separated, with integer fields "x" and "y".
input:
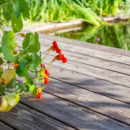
{"x": 16, "y": 65}
{"x": 62, "y": 58}
{"x": 55, "y": 47}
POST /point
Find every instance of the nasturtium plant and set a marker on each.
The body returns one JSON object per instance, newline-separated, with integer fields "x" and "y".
{"x": 23, "y": 61}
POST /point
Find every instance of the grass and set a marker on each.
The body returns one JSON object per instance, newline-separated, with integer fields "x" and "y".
{"x": 63, "y": 10}
{"x": 88, "y": 10}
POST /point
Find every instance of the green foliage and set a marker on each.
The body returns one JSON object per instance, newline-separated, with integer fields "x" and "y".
{"x": 12, "y": 84}
{"x": 9, "y": 101}
{"x": 31, "y": 43}
{"x": 1, "y": 61}
{"x": 17, "y": 23}
{"x": 19, "y": 60}
{"x": 36, "y": 60}
{"x": 60, "y": 10}
{"x": 8, "y": 45}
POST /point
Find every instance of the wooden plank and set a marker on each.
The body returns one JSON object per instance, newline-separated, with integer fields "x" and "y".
{"x": 93, "y": 71}
{"x": 102, "y": 104}
{"x": 22, "y": 117}
{"x": 5, "y": 127}
{"x": 83, "y": 44}
{"x": 86, "y": 51}
{"x": 96, "y": 85}
{"x": 101, "y": 63}
{"x": 53, "y": 27}
{"x": 90, "y": 52}
{"x": 97, "y": 62}
{"x": 96, "y": 72}
{"x": 72, "y": 114}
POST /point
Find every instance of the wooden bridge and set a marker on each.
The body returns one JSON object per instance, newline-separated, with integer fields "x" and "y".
{"x": 91, "y": 91}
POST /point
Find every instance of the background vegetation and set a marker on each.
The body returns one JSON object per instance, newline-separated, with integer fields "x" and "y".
{"x": 116, "y": 35}
{"x": 88, "y": 10}
{"x": 60, "y": 10}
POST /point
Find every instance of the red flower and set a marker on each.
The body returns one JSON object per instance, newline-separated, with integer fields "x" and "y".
{"x": 39, "y": 95}
{"x": 62, "y": 58}
{"x": 46, "y": 72}
{"x": 46, "y": 80}
{"x": 55, "y": 47}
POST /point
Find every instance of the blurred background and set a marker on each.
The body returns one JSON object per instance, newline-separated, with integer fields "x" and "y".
{"x": 106, "y": 22}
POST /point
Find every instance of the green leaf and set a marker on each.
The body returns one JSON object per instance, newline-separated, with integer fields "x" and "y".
{"x": 34, "y": 93}
{"x": 0, "y": 50}
{"x": 8, "y": 45}
{"x": 36, "y": 61}
{"x": 1, "y": 61}
{"x": 24, "y": 8}
{"x": 1, "y": 71}
{"x": 20, "y": 87}
{"x": 27, "y": 89}
{"x": 22, "y": 69}
{"x": 31, "y": 43}
{"x": 2, "y": 89}
{"x": 16, "y": 23}
{"x": 29, "y": 82}
{"x": 9, "y": 101}
{"x": 12, "y": 84}
{"x": 27, "y": 40}
{"x": 7, "y": 76}
{"x": 17, "y": 8}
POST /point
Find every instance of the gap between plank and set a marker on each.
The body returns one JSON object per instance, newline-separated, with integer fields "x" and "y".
{"x": 49, "y": 115}
{"x": 90, "y": 90}
{"x": 87, "y": 108}
{"x": 8, "y": 124}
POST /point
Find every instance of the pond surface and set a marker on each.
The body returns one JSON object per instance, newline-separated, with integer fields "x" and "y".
{"x": 113, "y": 35}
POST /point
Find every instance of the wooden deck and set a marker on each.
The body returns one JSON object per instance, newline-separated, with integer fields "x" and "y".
{"x": 91, "y": 91}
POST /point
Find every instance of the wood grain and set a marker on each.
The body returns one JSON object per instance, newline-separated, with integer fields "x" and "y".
{"x": 97, "y": 62}
{"x": 72, "y": 114}
{"x": 105, "y": 88}
{"x": 102, "y": 48}
{"x": 5, "y": 127}
{"x": 100, "y": 73}
{"x": 86, "y": 51}
{"x": 107, "y": 106}
{"x": 22, "y": 117}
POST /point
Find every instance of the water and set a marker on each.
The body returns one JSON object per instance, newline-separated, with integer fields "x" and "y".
{"x": 113, "y": 35}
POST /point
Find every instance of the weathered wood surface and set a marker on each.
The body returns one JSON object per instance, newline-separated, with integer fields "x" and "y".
{"x": 119, "y": 58}
{"x": 91, "y": 91}
{"x": 44, "y": 37}
{"x": 73, "y": 114}
{"x": 105, "y": 88}
{"x": 101, "y": 68}
{"x": 5, "y": 127}
{"x": 97, "y": 62}
{"x": 22, "y": 117}
{"x": 94, "y": 72}
{"x": 90, "y": 100}
{"x": 102, "y": 104}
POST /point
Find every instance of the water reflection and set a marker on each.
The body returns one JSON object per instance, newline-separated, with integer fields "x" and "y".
{"x": 114, "y": 35}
